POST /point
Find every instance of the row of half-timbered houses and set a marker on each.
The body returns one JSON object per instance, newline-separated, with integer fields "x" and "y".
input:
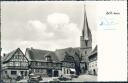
{"x": 40, "y": 63}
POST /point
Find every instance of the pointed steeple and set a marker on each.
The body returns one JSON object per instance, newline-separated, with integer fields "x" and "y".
{"x": 85, "y": 31}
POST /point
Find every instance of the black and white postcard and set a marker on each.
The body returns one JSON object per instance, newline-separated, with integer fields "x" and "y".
{"x": 63, "y": 41}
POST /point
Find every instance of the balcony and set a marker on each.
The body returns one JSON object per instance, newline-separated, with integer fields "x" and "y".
{"x": 15, "y": 67}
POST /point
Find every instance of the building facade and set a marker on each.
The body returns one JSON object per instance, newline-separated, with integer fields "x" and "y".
{"x": 71, "y": 61}
{"x": 43, "y": 63}
{"x": 14, "y": 64}
{"x": 93, "y": 62}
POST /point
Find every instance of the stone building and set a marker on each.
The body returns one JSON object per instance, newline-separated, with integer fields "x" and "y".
{"x": 85, "y": 41}
{"x": 86, "y": 38}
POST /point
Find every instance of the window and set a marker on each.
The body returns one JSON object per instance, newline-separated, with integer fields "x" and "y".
{"x": 54, "y": 64}
{"x": 25, "y": 73}
{"x": 42, "y": 70}
{"x": 21, "y": 72}
{"x": 64, "y": 71}
{"x": 85, "y": 52}
{"x": 42, "y": 64}
{"x": 37, "y": 70}
{"x": 13, "y": 72}
{"x": 36, "y": 63}
{"x": 17, "y": 64}
{"x": 48, "y": 58}
{"x": 67, "y": 71}
{"x": 11, "y": 63}
{"x": 39, "y": 63}
{"x": 5, "y": 72}
{"x": 49, "y": 64}
{"x": 32, "y": 70}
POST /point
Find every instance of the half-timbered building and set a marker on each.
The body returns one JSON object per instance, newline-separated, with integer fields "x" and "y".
{"x": 14, "y": 64}
{"x": 71, "y": 60}
{"x": 43, "y": 63}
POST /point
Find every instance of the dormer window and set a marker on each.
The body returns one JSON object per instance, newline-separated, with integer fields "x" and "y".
{"x": 48, "y": 58}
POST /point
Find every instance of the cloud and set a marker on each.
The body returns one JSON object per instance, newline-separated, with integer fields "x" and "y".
{"x": 37, "y": 24}
{"x": 49, "y": 29}
{"x": 39, "y": 29}
{"x": 63, "y": 27}
{"x": 61, "y": 36}
{"x": 58, "y": 18}
{"x": 49, "y": 35}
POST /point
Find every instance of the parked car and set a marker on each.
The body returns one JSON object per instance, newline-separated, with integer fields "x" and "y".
{"x": 74, "y": 76}
{"x": 55, "y": 80}
{"x": 64, "y": 78}
{"x": 34, "y": 79}
{"x": 68, "y": 77}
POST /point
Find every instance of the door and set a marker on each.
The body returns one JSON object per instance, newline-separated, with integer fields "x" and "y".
{"x": 49, "y": 72}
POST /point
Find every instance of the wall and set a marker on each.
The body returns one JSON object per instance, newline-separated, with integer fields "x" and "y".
{"x": 92, "y": 67}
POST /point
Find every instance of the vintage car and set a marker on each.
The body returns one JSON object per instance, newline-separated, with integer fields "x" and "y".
{"x": 65, "y": 77}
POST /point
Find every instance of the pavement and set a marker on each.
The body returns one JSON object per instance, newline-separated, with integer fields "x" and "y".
{"x": 81, "y": 78}
{"x": 84, "y": 78}
{"x": 47, "y": 79}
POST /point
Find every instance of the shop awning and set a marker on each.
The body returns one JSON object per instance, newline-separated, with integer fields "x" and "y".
{"x": 71, "y": 69}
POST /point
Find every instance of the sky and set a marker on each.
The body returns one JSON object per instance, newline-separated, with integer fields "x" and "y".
{"x": 44, "y": 25}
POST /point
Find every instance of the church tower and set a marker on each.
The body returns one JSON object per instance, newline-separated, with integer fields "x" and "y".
{"x": 86, "y": 38}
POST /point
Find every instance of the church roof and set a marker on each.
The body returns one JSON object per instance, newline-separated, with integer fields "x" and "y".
{"x": 86, "y": 33}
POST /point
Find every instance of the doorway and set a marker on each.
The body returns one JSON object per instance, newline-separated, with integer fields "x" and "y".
{"x": 49, "y": 72}
{"x": 56, "y": 73}
{"x": 94, "y": 71}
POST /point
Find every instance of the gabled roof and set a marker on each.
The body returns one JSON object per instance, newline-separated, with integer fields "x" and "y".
{"x": 8, "y": 56}
{"x": 93, "y": 52}
{"x": 73, "y": 52}
{"x": 39, "y": 55}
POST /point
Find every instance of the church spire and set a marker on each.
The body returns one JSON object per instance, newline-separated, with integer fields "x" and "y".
{"x": 85, "y": 31}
